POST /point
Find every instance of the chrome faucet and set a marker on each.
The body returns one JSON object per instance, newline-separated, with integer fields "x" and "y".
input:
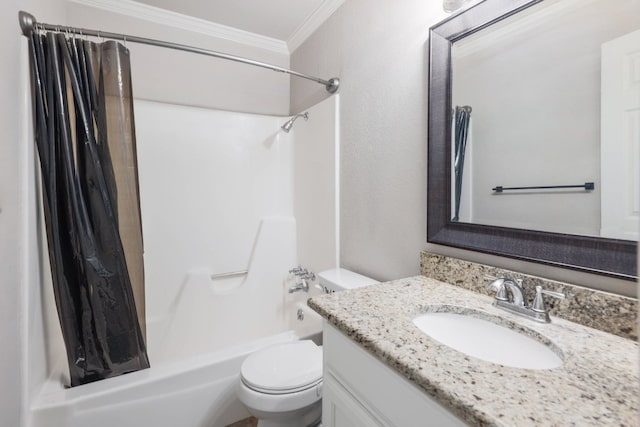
{"x": 514, "y": 301}
{"x": 302, "y": 274}
{"x": 302, "y": 286}
{"x": 515, "y": 289}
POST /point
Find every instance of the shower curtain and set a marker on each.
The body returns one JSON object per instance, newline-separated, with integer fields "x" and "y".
{"x": 462, "y": 115}
{"x": 84, "y": 133}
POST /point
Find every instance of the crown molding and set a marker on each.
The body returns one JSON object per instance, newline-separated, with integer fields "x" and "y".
{"x": 176, "y": 20}
{"x": 312, "y": 23}
{"x": 524, "y": 24}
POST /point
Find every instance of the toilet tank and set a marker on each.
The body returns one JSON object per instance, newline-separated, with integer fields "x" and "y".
{"x": 340, "y": 279}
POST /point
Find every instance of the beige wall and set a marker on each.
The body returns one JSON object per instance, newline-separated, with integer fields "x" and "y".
{"x": 172, "y": 76}
{"x": 380, "y": 51}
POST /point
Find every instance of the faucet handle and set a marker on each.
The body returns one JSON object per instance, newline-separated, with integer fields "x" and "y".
{"x": 296, "y": 270}
{"x": 302, "y": 286}
{"x": 307, "y": 275}
{"x": 498, "y": 286}
{"x": 538, "y": 302}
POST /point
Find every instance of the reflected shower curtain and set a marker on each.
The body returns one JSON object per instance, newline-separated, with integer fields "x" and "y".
{"x": 462, "y": 115}
{"x": 84, "y": 133}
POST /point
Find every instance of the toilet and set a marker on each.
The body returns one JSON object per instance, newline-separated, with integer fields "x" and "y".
{"x": 282, "y": 385}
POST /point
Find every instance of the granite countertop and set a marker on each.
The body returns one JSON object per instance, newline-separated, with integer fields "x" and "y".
{"x": 598, "y": 383}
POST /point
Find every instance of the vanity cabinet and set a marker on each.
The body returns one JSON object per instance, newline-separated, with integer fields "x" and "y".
{"x": 360, "y": 391}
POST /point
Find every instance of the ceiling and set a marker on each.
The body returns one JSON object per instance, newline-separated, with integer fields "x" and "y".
{"x": 277, "y": 19}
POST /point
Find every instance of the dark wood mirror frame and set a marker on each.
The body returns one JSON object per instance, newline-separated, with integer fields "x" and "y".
{"x": 611, "y": 257}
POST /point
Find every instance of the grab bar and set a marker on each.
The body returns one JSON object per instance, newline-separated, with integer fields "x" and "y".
{"x": 230, "y": 274}
{"x": 587, "y": 186}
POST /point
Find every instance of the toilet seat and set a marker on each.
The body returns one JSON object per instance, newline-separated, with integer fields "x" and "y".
{"x": 283, "y": 368}
{"x": 282, "y": 378}
{"x": 287, "y": 391}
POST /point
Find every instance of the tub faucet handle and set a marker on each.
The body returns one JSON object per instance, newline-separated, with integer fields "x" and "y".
{"x": 296, "y": 270}
{"x": 308, "y": 275}
{"x": 302, "y": 286}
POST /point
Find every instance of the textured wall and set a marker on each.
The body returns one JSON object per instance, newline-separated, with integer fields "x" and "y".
{"x": 379, "y": 50}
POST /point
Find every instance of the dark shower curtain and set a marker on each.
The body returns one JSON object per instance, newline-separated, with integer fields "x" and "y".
{"x": 84, "y": 133}
{"x": 462, "y": 115}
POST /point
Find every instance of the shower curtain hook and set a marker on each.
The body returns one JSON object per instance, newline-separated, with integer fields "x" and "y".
{"x": 124, "y": 37}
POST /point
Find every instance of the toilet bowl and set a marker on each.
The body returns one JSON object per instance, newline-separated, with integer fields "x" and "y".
{"x": 282, "y": 385}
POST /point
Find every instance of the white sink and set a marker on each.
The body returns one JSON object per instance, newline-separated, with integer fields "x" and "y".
{"x": 487, "y": 340}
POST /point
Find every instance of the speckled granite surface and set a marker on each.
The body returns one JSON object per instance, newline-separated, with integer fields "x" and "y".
{"x": 600, "y": 310}
{"x": 597, "y": 385}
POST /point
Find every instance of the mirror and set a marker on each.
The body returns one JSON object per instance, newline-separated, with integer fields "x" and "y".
{"x": 515, "y": 102}
{"x": 549, "y": 91}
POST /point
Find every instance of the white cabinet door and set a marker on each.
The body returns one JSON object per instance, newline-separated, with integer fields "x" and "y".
{"x": 360, "y": 390}
{"x": 620, "y": 142}
{"x": 341, "y": 409}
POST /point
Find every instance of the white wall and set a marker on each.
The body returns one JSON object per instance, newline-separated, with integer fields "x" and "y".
{"x": 11, "y": 214}
{"x": 380, "y": 52}
{"x": 315, "y": 186}
{"x": 20, "y": 327}
{"x": 171, "y": 76}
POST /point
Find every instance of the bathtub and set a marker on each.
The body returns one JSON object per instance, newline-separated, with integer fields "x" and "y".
{"x": 196, "y": 346}
{"x": 193, "y": 392}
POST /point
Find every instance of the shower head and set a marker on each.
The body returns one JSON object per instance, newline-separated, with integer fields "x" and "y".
{"x": 289, "y": 124}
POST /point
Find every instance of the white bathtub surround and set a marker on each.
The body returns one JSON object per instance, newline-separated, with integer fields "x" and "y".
{"x": 211, "y": 315}
{"x": 208, "y": 178}
{"x": 316, "y": 186}
{"x": 218, "y": 195}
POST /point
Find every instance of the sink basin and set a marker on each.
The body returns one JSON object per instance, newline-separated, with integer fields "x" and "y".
{"x": 488, "y": 341}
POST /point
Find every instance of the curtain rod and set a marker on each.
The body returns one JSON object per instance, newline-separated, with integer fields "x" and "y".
{"x": 28, "y": 23}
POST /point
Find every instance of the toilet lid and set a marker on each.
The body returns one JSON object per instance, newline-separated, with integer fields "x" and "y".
{"x": 284, "y": 367}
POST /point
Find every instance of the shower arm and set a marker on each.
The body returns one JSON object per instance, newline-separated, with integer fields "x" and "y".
{"x": 28, "y": 24}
